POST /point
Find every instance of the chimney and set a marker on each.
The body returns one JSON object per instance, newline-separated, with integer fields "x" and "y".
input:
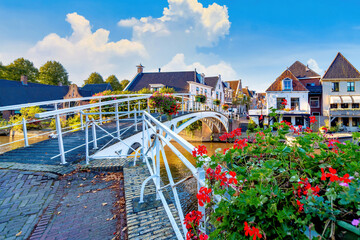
{"x": 60, "y": 84}
{"x": 159, "y": 69}
{"x": 307, "y": 68}
{"x": 140, "y": 68}
{"x": 24, "y": 80}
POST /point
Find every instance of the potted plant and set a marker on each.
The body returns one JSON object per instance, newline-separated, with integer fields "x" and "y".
{"x": 225, "y": 107}
{"x": 164, "y": 103}
{"x": 200, "y": 98}
{"x": 269, "y": 189}
{"x": 216, "y": 102}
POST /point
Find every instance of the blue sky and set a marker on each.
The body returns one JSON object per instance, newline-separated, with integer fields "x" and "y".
{"x": 251, "y": 40}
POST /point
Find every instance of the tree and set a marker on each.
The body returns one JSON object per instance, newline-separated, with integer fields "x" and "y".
{"x": 114, "y": 82}
{"x": 53, "y": 73}
{"x": 94, "y": 78}
{"x": 167, "y": 90}
{"x": 124, "y": 83}
{"x": 20, "y": 67}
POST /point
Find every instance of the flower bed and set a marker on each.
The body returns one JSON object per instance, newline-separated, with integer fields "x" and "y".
{"x": 164, "y": 103}
{"x": 271, "y": 190}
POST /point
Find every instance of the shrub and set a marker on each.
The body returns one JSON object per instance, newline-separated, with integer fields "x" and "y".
{"x": 216, "y": 102}
{"x": 164, "y": 103}
{"x": 200, "y": 98}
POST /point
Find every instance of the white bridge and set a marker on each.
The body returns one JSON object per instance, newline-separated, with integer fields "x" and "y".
{"x": 137, "y": 129}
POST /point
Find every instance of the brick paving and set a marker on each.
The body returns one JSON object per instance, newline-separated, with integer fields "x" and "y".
{"x": 37, "y": 205}
{"x": 23, "y": 196}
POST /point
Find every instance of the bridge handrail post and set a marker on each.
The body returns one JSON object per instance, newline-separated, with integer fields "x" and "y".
{"x": 60, "y": 139}
{"x": 100, "y": 109}
{"x": 182, "y": 104}
{"x": 128, "y": 107}
{"x": 135, "y": 119}
{"x": 144, "y": 149}
{"x": 81, "y": 121}
{"x": 201, "y": 178}
{"x": 86, "y": 140}
{"x": 148, "y": 107}
{"x": 117, "y": 119}
{"x": 93, "y": 127}
{"x": 157, "y": 146}
{"x": 26, "y": 140}
{"x": 139, "y": 107}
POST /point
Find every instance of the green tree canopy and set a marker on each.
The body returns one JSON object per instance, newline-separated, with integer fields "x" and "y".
{"x": 167, "y": 90}
{"x": 53, "y": 73}
{"x": 124, "y": 83}
{"x": 19, "y": 67}
{"x": 114, "y": 82}
{"x": 94, "y": 78}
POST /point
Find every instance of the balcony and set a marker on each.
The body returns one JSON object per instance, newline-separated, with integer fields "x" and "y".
{"x": 345, "y": 112}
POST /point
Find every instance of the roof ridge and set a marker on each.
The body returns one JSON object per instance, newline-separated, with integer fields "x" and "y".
{"x": 340, "y": 55}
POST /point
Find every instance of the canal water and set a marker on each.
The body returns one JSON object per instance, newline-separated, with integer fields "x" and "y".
{"x": 18, "y": 141}
{"x": 187, "y": 190}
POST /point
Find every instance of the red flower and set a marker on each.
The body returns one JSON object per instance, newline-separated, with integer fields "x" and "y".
{"x": 199, "y": 151}
{"x": 261, "y": 117}
{"x": 312, "y": 119}
{"x": 203, "y": 196}
{"x": 252, "y": 231}
{"x": 225, "y": 150}
{"x": 301, "y": 206}
{"x": 233, "y": 178}
{"x": 284, "y": 102}
{"x": 192, "y": 219}
{"x": 240, "y": 144}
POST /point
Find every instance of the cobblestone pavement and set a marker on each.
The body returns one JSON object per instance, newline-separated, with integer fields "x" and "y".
{"x": 23, "y": 196}
{"x": 38, "y": 205}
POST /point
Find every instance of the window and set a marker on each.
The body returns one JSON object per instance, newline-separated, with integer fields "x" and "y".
{"x": 295, "y": 103}
{"x": 355, "y": 105}
{"x": 217, "y": 95}
{"x": 345, "y": 121}
{"x": 314, "y": 102}
{"x": 287, "y": 119}
{"x": 287, "y": 84}
{"x": 299, "y": 121}
{"x": 344, "y": 105}
{"x": 350, "y": 86}
{"x": 355, "y": 121}
{"x": 278, "y": 103}
{"x": 310, "y": 84}
{"x": 316, "y": 113}
{"x": 335, "y": 86}
{"x": 202, "y": 91}
{"x": 333, "y": 105}
{"x": 205, "y": 91}
{"x": 197, "y": 90}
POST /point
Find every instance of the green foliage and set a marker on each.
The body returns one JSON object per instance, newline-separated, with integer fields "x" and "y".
{"x": 114, "y": 82}
{"x": 19, "y": 67}
{"x": 29, "y": 114}
{"x": 200, "y": 98}
{"x": 124, "y": 83}
{"x": 53, "y": 73}
{"x": 251, "y": 126}
{"x": 216, "y": 102}
{"x": 271, "y": 176}
{"x": 164, "y": 103}
{"x": 94, "y": 78}
{"x": 167, "y": 90}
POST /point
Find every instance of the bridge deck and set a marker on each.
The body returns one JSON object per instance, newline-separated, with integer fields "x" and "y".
{"x": 42, "y": 152}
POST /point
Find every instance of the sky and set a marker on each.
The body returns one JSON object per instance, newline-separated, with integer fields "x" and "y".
{"x": 253, "y": 40}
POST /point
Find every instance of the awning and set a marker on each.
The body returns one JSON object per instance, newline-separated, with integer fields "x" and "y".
{"x": 335, "y": 99}
{"x": 346, "y": 99}
{"x": 356, "y": 99}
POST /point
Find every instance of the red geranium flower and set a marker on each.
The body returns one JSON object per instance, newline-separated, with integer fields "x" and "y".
{"x": 203, "y": 196}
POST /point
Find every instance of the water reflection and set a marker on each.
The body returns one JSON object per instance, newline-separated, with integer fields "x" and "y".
{"x": 187, "y": 190}
{"x": 17, "y": 142}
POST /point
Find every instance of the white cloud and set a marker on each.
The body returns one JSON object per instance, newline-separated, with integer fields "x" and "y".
{"x": 203, "y": 26}
{"x": 178, "y": 64}
{"x": 85, "y": 51}
{"x": 315, "y": 66}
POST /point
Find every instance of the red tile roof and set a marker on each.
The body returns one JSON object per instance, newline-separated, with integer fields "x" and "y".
{"x": 277, "y": 85}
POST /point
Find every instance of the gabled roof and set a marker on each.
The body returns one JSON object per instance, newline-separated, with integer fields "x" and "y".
{"x": 341, "y": 68}
{"x": 277, "y": 85}
{"x": 176, "y": 80}
{"x": 211, "y": 81}
{"x": 90, "y": 89}
{"x": 247, "y": 92}
{"x": 14, "y": 92}
{"x": 234, "y": 85}
{"x": 301, "y": 71}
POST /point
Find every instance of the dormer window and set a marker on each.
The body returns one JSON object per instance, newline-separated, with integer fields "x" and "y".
{"x": 156, "y": 87}
{"x": 287, "y": 86}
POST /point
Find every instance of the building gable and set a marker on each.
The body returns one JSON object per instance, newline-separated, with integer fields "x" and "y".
{"x": 341, "y": 68}
{"x": 277, "y": 86}
{"x": 301, "y": 71}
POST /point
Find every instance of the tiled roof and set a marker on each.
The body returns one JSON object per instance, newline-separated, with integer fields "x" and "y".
{"x": 341, "y": 68}
{"x": 176, "y": 80}
{"x": 301, "y": 71}
{"x": 314, "y": 89}
{"x": 211, "y": 81}
{"x": 14, "y": 92}
{"x": 277, "y": 85}
{"x": 90, "y": 89}
{"x": 234, "y": 85}
{"x": 247, "y": 92}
